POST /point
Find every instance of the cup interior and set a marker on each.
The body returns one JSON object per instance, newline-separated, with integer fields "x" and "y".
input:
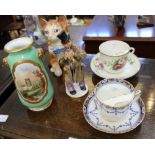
{"x": 111, "y": 89}
{"x": 114, "y": 48}
{"x": 18, "y": 44}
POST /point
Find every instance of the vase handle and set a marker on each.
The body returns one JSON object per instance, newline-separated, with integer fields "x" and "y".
{"x": 5, "y": 61}
{"x": 40, "y": 53}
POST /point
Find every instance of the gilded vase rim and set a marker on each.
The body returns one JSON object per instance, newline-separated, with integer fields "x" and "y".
{"x": 15, "y": 42}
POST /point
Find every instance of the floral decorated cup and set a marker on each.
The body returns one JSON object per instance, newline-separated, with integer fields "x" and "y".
{"x": 113, "y": 55}
{"x": 113, "y": 98}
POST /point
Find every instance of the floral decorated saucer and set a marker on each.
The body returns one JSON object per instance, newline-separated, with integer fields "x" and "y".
{"x": 133, "y": 119}
{"x": 131, "y": 68}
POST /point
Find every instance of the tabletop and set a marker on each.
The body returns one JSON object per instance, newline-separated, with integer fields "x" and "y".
{"x": 64, "y": 118}
{"x": 6, "y": 80}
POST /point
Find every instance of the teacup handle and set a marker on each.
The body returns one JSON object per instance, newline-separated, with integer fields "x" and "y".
{"x": 98, "y": 104}
{"x": 137, "y": 95}
{"x": 132, "y": 50}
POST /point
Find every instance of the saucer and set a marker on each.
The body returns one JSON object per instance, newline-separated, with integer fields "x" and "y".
{"x": 133, "y": 119}
{"x": 131, "y": 68}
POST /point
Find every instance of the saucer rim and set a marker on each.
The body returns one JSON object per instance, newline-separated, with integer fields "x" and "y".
{"x": 138, "y": 122}
{"x": 125, "y": 77}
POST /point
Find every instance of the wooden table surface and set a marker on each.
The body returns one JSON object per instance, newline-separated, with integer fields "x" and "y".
{"x": 102, "y": 29}
{"x": 65, "y": 118}
{"x": 6, "y": 80}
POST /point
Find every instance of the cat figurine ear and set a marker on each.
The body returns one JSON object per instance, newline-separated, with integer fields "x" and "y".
{"x": 63, "y": 22}
{"x": 42, "y": 21}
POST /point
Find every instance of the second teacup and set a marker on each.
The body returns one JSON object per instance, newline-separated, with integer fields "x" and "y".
{"x": 114, "y": 97}
{"x": 113, "y": 55}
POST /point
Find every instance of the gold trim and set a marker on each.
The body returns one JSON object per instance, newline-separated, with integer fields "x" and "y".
{"x": 35, "y": 64}
{"x": 113, "y": 55}
{"x": 5, "y": 61}
{"x": 20, "y": 49}
{"x": 40, "y": 53}
{"x": 41, "y": 108}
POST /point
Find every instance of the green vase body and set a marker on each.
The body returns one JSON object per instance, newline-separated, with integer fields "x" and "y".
{"x": 31, "y": 79}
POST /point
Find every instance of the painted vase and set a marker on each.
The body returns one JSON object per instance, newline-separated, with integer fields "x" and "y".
{"x": 31, "y": 79}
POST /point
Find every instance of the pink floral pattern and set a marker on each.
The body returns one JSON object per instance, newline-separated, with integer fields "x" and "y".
{"x": 119, "y": 64}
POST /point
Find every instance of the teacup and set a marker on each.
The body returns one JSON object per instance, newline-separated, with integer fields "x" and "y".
{"x": 114, "y": 97}
{"x": 113, "y": 55}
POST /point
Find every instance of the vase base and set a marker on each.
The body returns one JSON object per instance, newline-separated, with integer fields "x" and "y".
{"x": 41, "y": 108}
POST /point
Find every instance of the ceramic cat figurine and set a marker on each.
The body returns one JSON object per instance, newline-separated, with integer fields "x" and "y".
{"x": 63, "y": 54}
{"x": 52, "y": 30}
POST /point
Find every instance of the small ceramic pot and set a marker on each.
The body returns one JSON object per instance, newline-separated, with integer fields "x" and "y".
{"x": 31, "y": 79}
{"x": 113, "y": 55}
{"x": 110, "y": 112}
